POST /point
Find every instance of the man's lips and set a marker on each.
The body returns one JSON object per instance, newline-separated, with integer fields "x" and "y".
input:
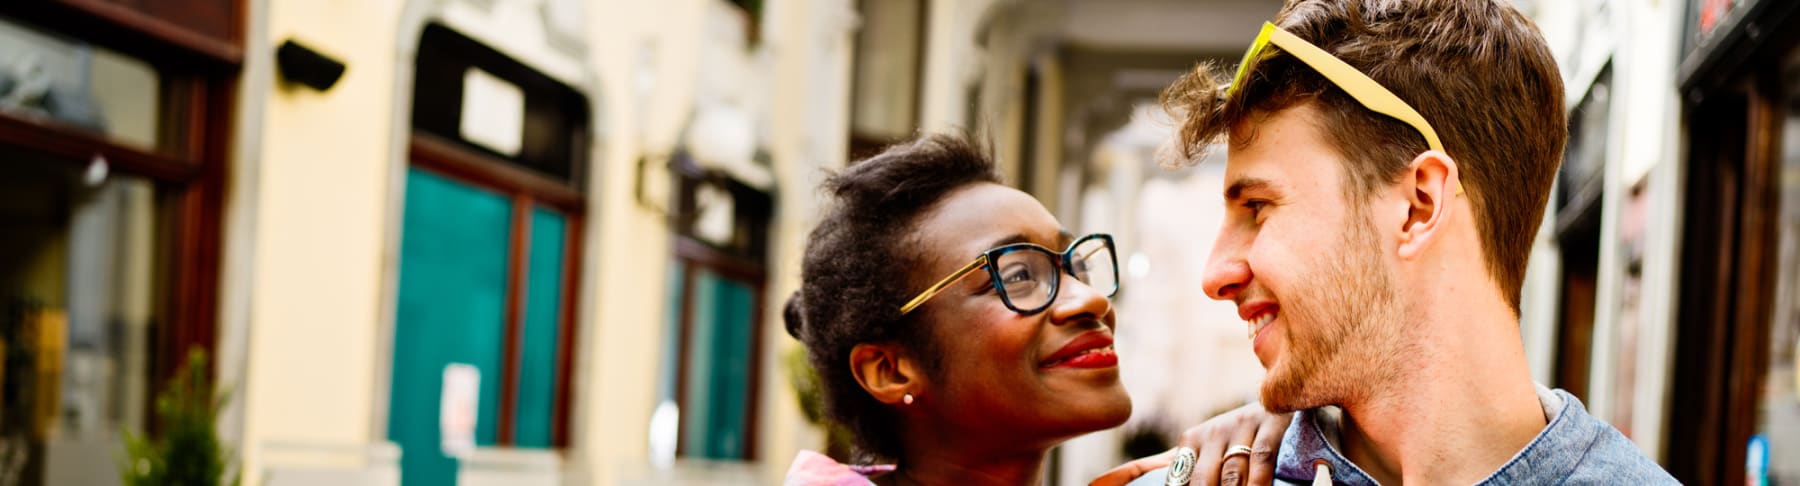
{"x": 1090, "y": 349}
{"x": 1258, "y": 315}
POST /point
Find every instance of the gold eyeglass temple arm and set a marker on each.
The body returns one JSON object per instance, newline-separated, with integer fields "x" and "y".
{"x": 942, "y": 284}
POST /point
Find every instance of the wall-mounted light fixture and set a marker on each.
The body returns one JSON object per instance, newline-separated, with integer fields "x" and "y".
{"x": 307, "y": 67}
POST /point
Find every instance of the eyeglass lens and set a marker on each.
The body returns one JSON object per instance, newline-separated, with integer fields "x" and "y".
{"x": 1029, "y": 276}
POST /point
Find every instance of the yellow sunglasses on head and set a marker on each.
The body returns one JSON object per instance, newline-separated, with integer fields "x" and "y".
{"x": 1358, "y": 85}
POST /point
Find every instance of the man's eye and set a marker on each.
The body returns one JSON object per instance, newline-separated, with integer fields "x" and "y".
{"x": 1255, "y": 206}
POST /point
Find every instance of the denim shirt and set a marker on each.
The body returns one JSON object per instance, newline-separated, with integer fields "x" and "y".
{"x": 1574, "y": 448}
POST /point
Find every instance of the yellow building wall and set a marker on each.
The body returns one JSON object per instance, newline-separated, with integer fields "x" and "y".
{"x": 320, "y": 223}
{"x": 804, "y": 142}
{"x": 616, "y": 381}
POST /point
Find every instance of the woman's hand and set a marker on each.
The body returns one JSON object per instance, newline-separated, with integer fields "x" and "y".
{"x": 1249, "y": 425}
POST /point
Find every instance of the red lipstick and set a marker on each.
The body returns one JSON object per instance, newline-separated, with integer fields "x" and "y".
{"x": 1092, "y": 349}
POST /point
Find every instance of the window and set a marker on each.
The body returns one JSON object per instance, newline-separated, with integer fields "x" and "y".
{"x": 82, "y": 287}
{"x": 1734, "y": 411}
{"x": 111, "y": 150}
{"x": 716, "y": 308}
{"x": 489, "y": 247}
{"x": 886, "y": 80}
{"x": 719, "y": 314}
{"x": 1772, "y": 455}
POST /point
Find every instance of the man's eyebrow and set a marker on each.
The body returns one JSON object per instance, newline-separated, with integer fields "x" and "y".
{"x": 1237, "y": 187}
{"x": 1064, "y": 237}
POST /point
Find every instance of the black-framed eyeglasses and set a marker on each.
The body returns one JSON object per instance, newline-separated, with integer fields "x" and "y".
{"x": 1027, "y": 276}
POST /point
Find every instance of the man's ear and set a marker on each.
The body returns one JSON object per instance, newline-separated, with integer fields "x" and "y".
{"x": 886, "y": 372}
{"x": 1430, "y": 183}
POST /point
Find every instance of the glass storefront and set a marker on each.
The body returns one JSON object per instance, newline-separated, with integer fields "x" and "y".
{"x": 79, "y": 268}
{"x": 1774, "y": 451}
{"x": 108, "y": 224}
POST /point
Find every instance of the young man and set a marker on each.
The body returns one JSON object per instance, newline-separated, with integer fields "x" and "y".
{"x": 1389, "y": 165}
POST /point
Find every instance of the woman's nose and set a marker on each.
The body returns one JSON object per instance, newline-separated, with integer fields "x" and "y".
{"x": 1076, "y": 299}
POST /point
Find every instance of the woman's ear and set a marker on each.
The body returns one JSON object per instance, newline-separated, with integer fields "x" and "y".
{"x": 886, "y": 371}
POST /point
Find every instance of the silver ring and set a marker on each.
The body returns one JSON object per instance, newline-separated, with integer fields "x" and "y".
{"x": 1182, "y": 468}
{"x": 1236, "y": 450}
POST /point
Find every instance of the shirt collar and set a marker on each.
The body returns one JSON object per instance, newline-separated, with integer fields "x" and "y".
{"x": 1312, "y": 437}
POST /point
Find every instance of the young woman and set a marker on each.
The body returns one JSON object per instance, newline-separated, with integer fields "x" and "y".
{"x": 960, "y": 332}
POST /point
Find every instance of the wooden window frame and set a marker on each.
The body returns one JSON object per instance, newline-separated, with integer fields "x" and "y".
{"x": 693, "y": 256}
{"x": 525, "y": 190}
{"x": 199, "y": 73}
{"x": 158, "y": 41}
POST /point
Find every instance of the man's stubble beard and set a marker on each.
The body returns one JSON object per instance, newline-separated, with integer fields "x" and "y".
{"x": 1343, "y": 337}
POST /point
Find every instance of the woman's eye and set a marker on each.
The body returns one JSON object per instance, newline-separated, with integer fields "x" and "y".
{"x": 1015, "y": 274}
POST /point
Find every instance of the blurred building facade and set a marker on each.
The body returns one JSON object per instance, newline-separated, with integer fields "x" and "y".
{"x": 548, "y": 241}
{"x": 480, "y": 241}
{"x": 1662, "y": 289}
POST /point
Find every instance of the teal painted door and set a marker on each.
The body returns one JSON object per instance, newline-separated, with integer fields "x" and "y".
{"x": 451, "y": 309}
{"x": 454, "y": 244}
{"x": 715, "y": 414}
{"x": 534, "y": 418}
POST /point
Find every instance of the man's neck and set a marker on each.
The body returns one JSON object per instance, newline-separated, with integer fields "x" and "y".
{"x": 1455, "y": 418}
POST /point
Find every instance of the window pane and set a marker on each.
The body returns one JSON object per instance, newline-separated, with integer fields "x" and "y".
{"x": 77, "y": 286}
{"x": 887, "y": 58}
{"x": 50, "y": 77}
{"x": 1775, "y": 449}
{"x": 451, "y": 309}
{"x": 543, "y": 309}
{"x": 714, "y": 420}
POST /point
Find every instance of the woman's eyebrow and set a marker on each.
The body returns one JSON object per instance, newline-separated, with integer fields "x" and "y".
{"x": 1008, "y": 240}
{"x": 1063, "y": 238}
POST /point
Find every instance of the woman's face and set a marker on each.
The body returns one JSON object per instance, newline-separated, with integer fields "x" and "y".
{"x": 1003, "y": 371}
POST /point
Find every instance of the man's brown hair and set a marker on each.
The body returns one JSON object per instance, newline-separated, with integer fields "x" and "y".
{"x": 1477, "y": 70}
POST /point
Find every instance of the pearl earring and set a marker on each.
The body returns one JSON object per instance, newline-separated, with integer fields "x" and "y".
{"x": 907, "y": 398}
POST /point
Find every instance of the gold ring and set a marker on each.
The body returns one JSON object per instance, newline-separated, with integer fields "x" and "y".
{"x": 1236, "y": 450}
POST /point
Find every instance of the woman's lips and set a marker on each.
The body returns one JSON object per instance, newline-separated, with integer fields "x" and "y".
{"x": 1092, "y": 349}
{"x": 1097, "y": 358}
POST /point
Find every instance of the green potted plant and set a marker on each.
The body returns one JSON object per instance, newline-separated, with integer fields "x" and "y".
{"x": 187, "y": 452}
{"x": 807, "y": 390}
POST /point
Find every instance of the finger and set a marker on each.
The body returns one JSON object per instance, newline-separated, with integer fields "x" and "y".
{"x": 1118, "y": 476}
{"x": 1263, "y": 449}
{"x": 1210, "y": 448}
{"x": 1233, "y": 470}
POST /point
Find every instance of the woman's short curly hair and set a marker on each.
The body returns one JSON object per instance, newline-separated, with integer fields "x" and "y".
{"x": 855, "y": 272}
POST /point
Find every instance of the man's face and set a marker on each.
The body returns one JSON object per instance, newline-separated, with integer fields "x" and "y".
{"x": 1308, "y": 271}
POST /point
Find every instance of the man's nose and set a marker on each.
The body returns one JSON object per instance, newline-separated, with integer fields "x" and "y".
{"x": 1226, "y": 272}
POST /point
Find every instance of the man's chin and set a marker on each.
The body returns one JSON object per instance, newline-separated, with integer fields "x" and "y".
{"x": 1285, "y": 394}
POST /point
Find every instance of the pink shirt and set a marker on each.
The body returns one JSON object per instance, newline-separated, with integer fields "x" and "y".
{"x": 815, "y": 469}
